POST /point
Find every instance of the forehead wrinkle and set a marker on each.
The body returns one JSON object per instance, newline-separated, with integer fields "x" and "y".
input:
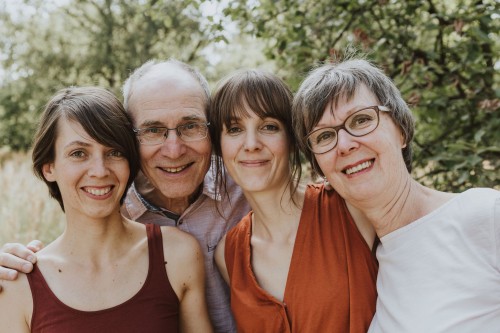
{"x": 184, "y": 118}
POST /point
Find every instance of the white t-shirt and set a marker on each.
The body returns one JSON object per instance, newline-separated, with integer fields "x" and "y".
{"x": 441, "y": 273}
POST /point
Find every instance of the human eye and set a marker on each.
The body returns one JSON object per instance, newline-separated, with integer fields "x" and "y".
{"x": 77, "y": 154}
{"x": 325, "y": 136}
{"x": 191, "y": 128}
{"x": 152, "y": 130}
{"x": 270, "y": 128}
{"x": 233, "y": 129}
{"x": 361, "y": 120}
{"x": 116, "y": 154}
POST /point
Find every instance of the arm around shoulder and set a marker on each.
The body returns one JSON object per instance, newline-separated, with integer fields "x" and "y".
{"x": 15, "y": 257}
{"x": 186, "y": 272}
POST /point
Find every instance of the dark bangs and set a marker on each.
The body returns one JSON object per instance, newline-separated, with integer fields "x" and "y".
{"x": 258, "y": 91}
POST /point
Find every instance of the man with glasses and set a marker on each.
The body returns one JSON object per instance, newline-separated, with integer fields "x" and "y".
{"x": 168, "y": 102}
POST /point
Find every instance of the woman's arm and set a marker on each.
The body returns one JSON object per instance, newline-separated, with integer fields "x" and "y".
{"x": 220, "y": 260}
{"x": 186, "y": 272}
{"x": 16, "y": 306}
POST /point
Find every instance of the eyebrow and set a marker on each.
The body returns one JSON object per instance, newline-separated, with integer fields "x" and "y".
{"x": 77, "y": 143}
{"x": 356, "y": 108}
{"x": 349, "y": 112}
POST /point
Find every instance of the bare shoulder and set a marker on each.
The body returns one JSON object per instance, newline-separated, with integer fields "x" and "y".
{"x": 16, "y": 305}
{"x": 183, "y": 261}
{"x": 180, "y": 243}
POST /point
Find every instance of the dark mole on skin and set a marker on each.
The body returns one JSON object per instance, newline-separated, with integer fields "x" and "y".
{"x": 59, "y": 270}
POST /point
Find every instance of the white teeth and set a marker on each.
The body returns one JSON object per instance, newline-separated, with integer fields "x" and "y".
{"x": 98, "y": 192}
{"x": 358, "y": 167}
{"x": 175, "y": 170}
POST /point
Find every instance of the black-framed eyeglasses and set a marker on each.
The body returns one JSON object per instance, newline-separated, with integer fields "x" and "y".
{"x": 360, "y": 123}
{"x": 186, "y": 132}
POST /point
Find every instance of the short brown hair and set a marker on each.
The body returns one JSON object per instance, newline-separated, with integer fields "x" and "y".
{"x": 100, "y": 114}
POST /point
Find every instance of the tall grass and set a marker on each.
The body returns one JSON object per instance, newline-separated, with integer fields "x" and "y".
{"x": 26, "y": 210}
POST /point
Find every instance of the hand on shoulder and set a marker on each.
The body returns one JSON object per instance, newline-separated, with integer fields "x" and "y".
{"x": 15, "y": 257}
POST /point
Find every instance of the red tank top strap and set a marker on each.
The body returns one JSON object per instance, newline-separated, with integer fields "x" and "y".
{"x": 156, "y": 255}
{"x": 155, "y": 244}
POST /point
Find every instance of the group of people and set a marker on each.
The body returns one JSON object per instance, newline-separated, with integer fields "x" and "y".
{"x": 232, "y": 240}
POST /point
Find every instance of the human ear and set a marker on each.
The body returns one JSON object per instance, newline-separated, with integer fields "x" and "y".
{"x": 48, "y": 172}
{"x": 403, "y": 141}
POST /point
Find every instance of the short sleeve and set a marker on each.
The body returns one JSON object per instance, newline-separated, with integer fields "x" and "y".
{"x": 496, "y": 229}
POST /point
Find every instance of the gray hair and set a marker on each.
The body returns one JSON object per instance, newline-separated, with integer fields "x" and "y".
{"x": 332, "y": 82}
{"x": 139, "y": 72}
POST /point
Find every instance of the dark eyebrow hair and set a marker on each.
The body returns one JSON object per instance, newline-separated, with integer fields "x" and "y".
{"x": 77, "y": 143}
{"x": 153, "y": 123}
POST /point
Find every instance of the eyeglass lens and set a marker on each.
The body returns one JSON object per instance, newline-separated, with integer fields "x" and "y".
{"x": 186, "y": 132}
{"x": 357, "y": 124}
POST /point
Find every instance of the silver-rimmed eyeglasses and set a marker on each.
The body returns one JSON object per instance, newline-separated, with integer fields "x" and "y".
{"x": 188, "y": 132}
{"x": 361, "y": 122}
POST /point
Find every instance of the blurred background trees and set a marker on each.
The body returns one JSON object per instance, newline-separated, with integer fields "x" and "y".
{"x": 444, "y": 56}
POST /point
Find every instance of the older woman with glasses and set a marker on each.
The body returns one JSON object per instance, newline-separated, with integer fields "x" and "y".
{"x": 439, "y": 253}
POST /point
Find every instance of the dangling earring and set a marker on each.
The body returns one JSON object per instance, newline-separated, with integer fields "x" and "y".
{"x": 327, "y": 185}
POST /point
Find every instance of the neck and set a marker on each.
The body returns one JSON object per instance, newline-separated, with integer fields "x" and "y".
{"x": 386, "y": 212}
{"x": 408, "y": 203}
{"x": 155, "y": 197}
{"x": 95, "y": 240}
{"x": 174, "y": 205}
{"x": 274, "y": 211}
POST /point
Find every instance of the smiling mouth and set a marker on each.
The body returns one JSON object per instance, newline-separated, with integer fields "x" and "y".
{"x": 254, "y": 163}
{"x": 97, "y": 191}
{"x": 176, "y": 169}
{"x": 358, "y": 168}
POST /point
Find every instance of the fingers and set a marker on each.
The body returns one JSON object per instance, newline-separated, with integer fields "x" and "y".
{"x": 14, "y": 258}
{"x": 7, "y": 274}
{"x": 35, "y": 245}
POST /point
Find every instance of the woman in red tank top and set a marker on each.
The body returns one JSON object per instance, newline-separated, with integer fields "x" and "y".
{"x": 104, "y": 273}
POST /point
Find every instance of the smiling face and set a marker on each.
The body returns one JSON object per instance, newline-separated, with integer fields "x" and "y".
{"x": 91, "y": 177}
{"x": 256, "y": 153}
{"x": 169, "y": 97}
{"x": 361, "y": 167}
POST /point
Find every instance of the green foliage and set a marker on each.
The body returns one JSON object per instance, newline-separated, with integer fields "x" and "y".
{"x": 48, "y": 45}
{"x": 441, "y": 54}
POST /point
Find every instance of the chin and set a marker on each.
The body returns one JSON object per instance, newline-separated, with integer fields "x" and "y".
{"x": 173, "y": 191}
